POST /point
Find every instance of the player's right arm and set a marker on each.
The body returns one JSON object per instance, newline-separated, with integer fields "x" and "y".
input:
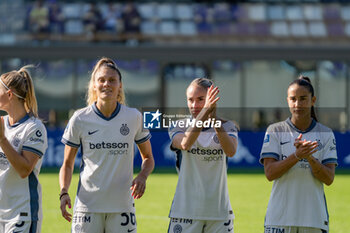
{"x": 276, "y": 168}
{"x": 65, "y": 177}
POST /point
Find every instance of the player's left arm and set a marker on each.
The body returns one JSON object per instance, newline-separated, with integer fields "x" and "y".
{"x": 324, "y": 169}
{"x": 138, "y": 186}
{"x": 323, "y": 172}
{"x": 23, "y": 163}
{"x": 227, "y": 142}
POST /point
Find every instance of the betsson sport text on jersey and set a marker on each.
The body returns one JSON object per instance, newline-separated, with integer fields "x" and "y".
{"x": 116, "y": 148}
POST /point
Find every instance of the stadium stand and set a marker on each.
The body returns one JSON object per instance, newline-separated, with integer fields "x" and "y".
{"x": 282, "y": 33}
{"x": 291, "y": 21}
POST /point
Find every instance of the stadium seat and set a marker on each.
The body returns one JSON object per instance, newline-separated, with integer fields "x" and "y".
{"x": 187, "y": 28}
{"x": 7, "y": 39}
{"x": 149, "y": 27}
{"x": 347, "y": 29}
{"x": 204, "y": 28}
{"x": 184, "y": 12}
{"x": 165, "y": 11}
{"x": 4, "y": 9}
{"x": 313, "y": 12}
{"x": 331, "y": 13}
{"x": 298, "y": 29}
{"x": 85, "y": 7}
{"x": 4, "y": 25}
{"x": 345, "y": 13}
{"x": 257, "y": 12}
{"x": 12, "y": 16}
{"x": 72, "y": 10}
{"x": 168, "y": 28}
{"x": 317, "y": 29}
{"x": 235, "y": 10}
{"x": 335, "y": 30}
{"x": 223, "y": 28}
{"x": 104, "y": 9}
{"x": 261, "y": 29}
{"x": 239, "y": 12}
{"x": 16, "y": 24}
{"x": 279, "y": 29}
{"x": 200, "y": 10}
{"x": 222, "y": 12}
{"x": 74, "y": 27}
{"x": 275, "y": 12}
{"x": 147, "y": 10}
{"x": 294, "y": 12}
{"x": 200, "y": 16}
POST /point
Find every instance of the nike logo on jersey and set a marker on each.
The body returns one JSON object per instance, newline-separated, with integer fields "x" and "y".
{"x": 92, "y": 132}
{"x": 131, "y": 230}
{"x": 282, "y": 143}
{"x": 21, "y": 224}
{"x": 230, "y": 229}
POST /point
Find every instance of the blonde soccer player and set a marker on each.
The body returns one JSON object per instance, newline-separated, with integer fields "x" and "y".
{"x": 105, "y": 131}
{"x": 299, "y": 155}
{"x": 201, "y": 202}
{"x": 23, "y": 142}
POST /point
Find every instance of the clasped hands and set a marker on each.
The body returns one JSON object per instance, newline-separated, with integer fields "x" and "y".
{"x": 304, "y": 148}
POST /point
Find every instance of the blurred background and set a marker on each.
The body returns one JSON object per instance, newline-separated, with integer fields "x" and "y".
{"x": 251, "y": 49}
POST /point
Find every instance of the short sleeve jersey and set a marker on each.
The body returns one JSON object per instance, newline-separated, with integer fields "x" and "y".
{"x": 297, "y": 197}
{"x": 201, "y": 191}
{"x": 20, "y": 198}
{"x": 107, "y": 147}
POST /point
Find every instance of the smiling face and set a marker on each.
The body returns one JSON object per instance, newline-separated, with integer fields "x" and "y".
{"x": 300, "y": 101}
{"x": 195, "y": 98}
{"x": 107, "y": 84}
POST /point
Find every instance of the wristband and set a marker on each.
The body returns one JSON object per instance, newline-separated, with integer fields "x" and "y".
{"x": 296, "y": 156}
{"x": 62, "y": 194}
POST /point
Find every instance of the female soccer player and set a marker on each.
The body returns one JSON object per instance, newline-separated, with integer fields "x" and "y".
{"x": 105, "y": 131}
{"x": 23, "y": 142}
{"x": 299, "y": 154}
{"x": 201, "y": 202}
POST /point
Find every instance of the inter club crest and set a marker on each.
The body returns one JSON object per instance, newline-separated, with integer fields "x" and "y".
{"x": 177, "y": 228}
{"x": 216, "y": 139}
{"x": 124, "y": 130}
{"x": 16, "y": 141}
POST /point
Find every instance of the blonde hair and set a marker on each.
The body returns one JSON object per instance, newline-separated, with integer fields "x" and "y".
{"x": 91, "y": 94}
{"x": 21, "y": 84}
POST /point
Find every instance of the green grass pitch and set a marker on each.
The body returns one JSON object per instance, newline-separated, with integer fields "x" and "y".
{"x": 249, "y": 194}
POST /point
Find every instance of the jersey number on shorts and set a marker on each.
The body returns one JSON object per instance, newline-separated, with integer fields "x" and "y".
{"x": 128, "y": 219}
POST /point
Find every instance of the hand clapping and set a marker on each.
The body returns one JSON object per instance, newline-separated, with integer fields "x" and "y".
{"x": 210, "y": 101}
{"x": 304, "y": 149}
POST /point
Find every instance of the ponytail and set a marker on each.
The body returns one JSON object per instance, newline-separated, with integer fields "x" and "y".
{"x": 21, "y": 84}
{"x": 30, "y": 102}
{"x": 313, "y": 113}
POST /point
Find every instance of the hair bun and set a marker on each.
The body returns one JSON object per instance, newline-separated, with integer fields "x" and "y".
{"x": 307, "y": 79}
